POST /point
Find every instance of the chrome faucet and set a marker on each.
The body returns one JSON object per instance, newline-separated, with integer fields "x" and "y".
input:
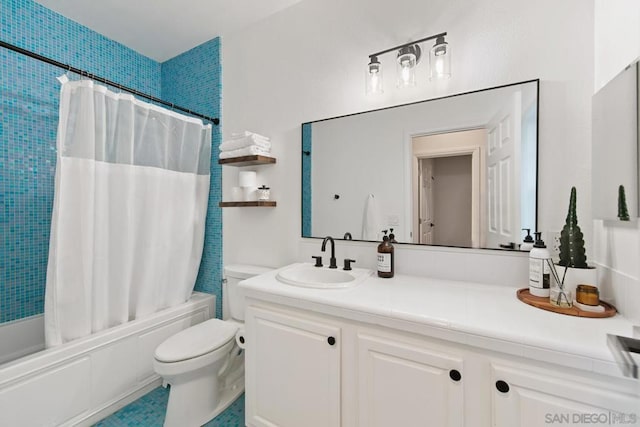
{"x": 347, "y": 236}
{"x": 332, "y": 260}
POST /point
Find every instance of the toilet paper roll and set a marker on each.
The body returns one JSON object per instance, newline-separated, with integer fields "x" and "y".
{"x": 237, "y": 194}
{"x": 247, "y": 179}
{"x": 240, "y": 338}
{"x": 249, "y": 194}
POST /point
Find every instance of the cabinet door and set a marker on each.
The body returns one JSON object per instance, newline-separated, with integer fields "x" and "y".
{"x": 292, "y": 370}
{"x": 524, "y": 398}
{"x": 402, "y": 384}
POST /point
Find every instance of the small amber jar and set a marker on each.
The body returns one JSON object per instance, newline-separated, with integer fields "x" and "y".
{"x": 587, "y": 294}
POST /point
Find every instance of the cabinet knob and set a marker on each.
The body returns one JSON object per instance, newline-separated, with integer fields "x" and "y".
{"x": 455, "y": 375}
{"x": 331, "y": 340}
{"x": 502, "y": 386}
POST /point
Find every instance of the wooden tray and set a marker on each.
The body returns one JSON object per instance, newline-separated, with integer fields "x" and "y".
{"x": 543, "y": 303}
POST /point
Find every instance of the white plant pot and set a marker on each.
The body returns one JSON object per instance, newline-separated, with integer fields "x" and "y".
{"x": 577, "y": 276}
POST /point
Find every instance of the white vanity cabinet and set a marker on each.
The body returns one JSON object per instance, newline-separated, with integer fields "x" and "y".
{"x": 308, "y": 369}
{"x": 527, "y": 397}
{"x": 298, "y": 366}
{"x": 402, "y": 383}
{"x": 292, "y": 370}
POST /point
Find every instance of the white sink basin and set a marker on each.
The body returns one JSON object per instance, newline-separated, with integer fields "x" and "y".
{"x": 308, "y": 276}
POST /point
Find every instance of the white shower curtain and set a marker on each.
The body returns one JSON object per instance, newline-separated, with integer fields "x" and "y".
{"x": 127, "y": 232}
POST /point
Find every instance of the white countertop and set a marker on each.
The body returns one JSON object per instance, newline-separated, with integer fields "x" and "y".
{"x": 484, "y": 316}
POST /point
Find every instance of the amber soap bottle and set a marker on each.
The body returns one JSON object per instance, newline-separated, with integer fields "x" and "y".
{"x": 385, "y": 257}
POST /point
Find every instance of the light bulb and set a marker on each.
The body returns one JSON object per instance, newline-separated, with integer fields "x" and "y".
{"x": 408, "y": 57}
{"x": 373, "y": 77}
{"x": 375, "y": 82}
{"x": 439, "y": 66}
{"x": 440, "y": 60}
{"x": 406, "y": 72}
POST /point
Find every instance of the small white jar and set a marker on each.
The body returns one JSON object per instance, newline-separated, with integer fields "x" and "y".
{"x": 264, "y": 193}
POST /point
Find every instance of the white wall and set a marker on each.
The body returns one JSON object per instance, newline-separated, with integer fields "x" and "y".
{"x": 617, "y": 246}
{"x": 307, "y": 63}
{"x": 376, "y": 150}
{"x": 616, "y": 38}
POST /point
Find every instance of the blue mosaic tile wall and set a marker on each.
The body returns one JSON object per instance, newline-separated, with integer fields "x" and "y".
{"x": 193, "y": 80}
{"x": 32, "y": 26}
{"x": 306, "y": 180}
{"x": 28, "y": 123}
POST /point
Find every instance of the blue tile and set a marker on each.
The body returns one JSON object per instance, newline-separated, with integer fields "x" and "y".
{"x": 149, "y": 411}
{"x": 193, "y": 80}
{"x": 233, "y": 416}
{"x": 307, "y": 147}
{"x": 28, "y": 125}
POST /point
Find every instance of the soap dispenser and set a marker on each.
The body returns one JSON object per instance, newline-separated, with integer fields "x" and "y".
{"x": 527, "y": 243}
{"x": 392, "y": 237}
{"x": 385, "y": 257}
{"x": 539, "y": 271}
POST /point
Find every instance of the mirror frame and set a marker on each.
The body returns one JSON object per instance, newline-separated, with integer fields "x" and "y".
{"x": 305, "y": 155}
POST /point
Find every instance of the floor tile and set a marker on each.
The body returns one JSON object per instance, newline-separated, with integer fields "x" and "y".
{"x": 149, "y": 410}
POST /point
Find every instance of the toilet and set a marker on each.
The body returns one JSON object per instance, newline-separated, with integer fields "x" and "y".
{"x": 204, "y": 364}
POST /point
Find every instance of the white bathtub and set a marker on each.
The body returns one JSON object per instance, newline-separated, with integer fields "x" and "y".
{"x": 83, "y": 381}
{"x": 21, "y": 337}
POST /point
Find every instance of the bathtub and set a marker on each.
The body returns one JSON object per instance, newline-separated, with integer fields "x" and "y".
{"x": 21, "y": 337}
{"x": 83, "y": 381}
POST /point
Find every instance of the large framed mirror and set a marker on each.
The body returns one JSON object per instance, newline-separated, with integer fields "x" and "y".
{"x": 454, "y": 171}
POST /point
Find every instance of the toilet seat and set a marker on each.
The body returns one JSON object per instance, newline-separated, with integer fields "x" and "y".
{"x": 196, "y": 341}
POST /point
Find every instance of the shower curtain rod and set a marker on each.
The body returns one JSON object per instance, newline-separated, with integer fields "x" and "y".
{"x": 84, "y": 73}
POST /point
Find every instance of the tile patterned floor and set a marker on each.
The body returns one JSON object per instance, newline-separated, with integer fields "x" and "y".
{"x": 149, "y": 410}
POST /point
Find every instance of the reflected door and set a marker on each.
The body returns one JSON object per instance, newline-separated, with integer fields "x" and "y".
{"x": 426, "y": 202}
{"x": 503, "y": 172}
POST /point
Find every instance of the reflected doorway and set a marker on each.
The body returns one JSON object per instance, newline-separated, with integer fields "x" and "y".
{"x": 445, "y": 200}
{"x": 448, "y": 188}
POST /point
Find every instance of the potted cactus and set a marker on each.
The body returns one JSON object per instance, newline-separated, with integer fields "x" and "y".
{"x": 572, "y": 267}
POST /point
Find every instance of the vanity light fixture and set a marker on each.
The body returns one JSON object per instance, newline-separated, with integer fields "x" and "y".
{"x": 408, "y": 57}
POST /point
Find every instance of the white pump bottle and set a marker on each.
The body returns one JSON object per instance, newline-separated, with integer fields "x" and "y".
{"x": 539, "y": 271}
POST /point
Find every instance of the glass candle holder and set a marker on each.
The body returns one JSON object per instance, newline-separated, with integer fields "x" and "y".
{"x": 558, "y": 294}
{"x": 560, "y": 298}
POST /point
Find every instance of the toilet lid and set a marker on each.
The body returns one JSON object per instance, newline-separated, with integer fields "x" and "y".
{"x": 196, "y": 340}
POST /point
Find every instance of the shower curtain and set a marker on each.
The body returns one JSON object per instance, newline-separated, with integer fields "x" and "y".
{"x": 127, "y": 231}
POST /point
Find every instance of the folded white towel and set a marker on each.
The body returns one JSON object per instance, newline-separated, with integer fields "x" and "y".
{"x": 238, "y": 135}
{"x": 247, "y": 141}
{"x": 246, "y": 151}
{"x": 371, "y": 223}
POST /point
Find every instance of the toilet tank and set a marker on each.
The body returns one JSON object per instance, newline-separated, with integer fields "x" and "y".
{"x": 234, "y": 274}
